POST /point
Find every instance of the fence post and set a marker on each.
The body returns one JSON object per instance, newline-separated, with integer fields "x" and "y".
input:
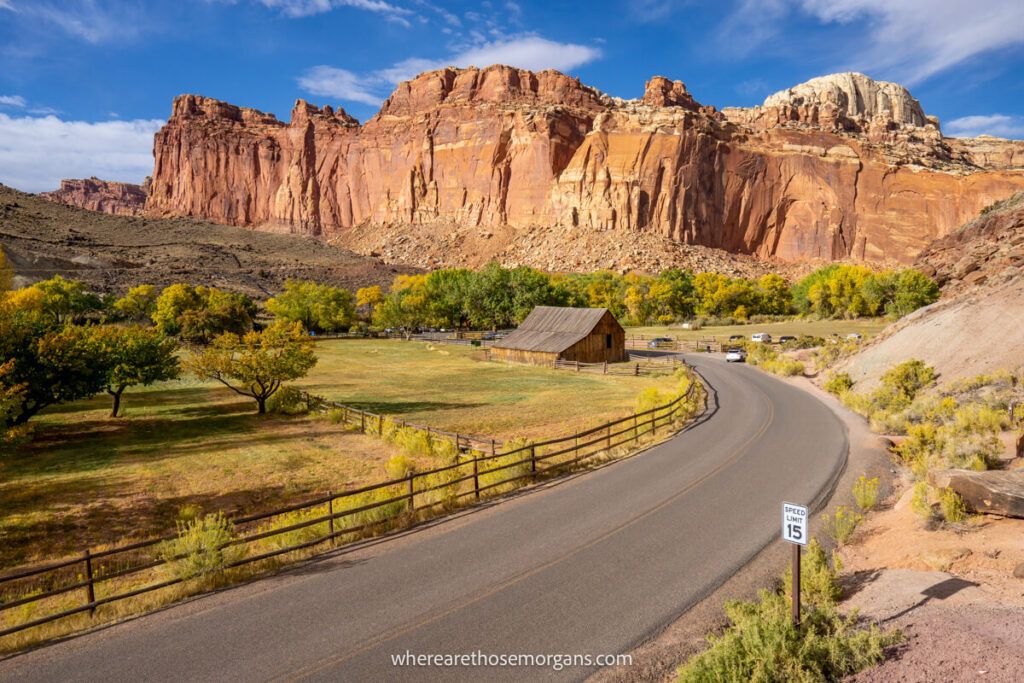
{"x": 577, "y": 365}
{"x": 636, "y": 372}
{"x": 605, "y": 368}
{"x": 533, "y": 462}
{"x": 476, "y": 477}
{"x": 412, "y": 490}
{"x": 90, "y": 591}
{"x": 457, "y": 443}
{"x": 654, "y": 421}
{"x": 380, "y": 425}
{"x": 636, "y": 427}
{"x": 609, "y": 438}
{"x": 362, "y": 421}
{"x": 330, "y": 513}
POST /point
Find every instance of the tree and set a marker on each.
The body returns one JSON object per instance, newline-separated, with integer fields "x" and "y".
{"x": 10, "y": 401}
{"x": 407, "y": 306}
{"x": 198, "y": 314}
{"x": 318, "y": 307}
{"x": 53, "y": 366}
{"x": 256, "y": 364}
{"x": 135, "y": 355}
{"x": 138, "y": 304}
{"x": 913, "y": 290}
{"x": 66, "y": 300}
{"x": 773, "y": 295}
{"x": 368, "y": 298}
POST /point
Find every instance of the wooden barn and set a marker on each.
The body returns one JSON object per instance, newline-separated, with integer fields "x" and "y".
{"x": 550, "y": 333}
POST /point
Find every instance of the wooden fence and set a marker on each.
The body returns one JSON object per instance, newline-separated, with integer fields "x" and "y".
{"x": 704, "y": 344}
{"x": 103, "y": 577}
{"x": 637, "y": 365}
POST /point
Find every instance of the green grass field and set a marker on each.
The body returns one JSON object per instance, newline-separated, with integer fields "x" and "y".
{"x": 87, "y": 479}
{"x": 449, "y": 387}
{"x": 818, "y": 328}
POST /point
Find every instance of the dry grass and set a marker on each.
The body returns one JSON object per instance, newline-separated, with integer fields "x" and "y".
{"x": 443, "y": 386}
{"x": 815, "y": 328}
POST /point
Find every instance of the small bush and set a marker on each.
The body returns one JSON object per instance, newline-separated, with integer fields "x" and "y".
{"x": 906, "y": 379}
{"x": 336, "y": 416}
{"x": 762, "y": 644}
{"x": 865, "y": 493}
{"x": 838, "y": 383}
{"x": 399, "y": 467}
{"x": 297, "y": 536}
{"x": 189, "y": 512}
{"x": 920, "y": 501}
{"x": 953, "y": 508}
{"x": 287, "y": 401}
{"x": 200, "y": 548}
{"x": 787, "y": 367}
{"x": 841, "y": 525}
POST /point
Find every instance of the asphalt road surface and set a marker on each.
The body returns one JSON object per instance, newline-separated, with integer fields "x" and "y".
{"x": 593, "y": 564}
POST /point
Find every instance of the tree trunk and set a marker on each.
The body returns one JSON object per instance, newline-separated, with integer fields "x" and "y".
{"x": 117, "y": 400}
{"x": 261, "y": 401}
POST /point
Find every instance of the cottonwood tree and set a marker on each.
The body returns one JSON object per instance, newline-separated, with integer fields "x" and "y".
{"x": 138, "y": 304}
{"x": 256, "y": 364}
{"x": 64, "y": 301}
{"x": 318, "y": 307}
{"x": 198, "y": 314}
{"x": 136, "y": 356}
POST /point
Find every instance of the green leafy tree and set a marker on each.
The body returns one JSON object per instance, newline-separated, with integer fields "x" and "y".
{"x": 198, "y": 314}
{"x": 66, "y": 300}
{"x": 10, "y": 402}
{"x": 256, "y": 364}
{"x": 136, "y": 356}
{"x": 368, "y": 298}
{"x": 407, "y": 307}
{"x": 773, "y": 295}
{"x": 913, "y": 290}
{"x": 138, "y": 304}
{"x": 52, "y": 366}
{"x": 319, "y": 307}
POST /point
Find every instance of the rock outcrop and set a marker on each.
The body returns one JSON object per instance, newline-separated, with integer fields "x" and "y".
{"x": 105, "y": 196}
{"x": 841, "y": 167}
{"x": 992, "y": 492}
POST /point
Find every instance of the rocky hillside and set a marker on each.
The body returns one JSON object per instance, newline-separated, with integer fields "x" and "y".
{"x": 105, "y": 196}
{"x": 976, "y": 326}
{"x": 987, "y": 251}
{"x": 839, "y": 167}
{"x": 111, "y": 253}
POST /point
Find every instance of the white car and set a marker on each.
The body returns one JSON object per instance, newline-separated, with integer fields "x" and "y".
{"x": 854, "y": 337}
{"x": 735, "y": 355}
{"x": 761, "y": 338}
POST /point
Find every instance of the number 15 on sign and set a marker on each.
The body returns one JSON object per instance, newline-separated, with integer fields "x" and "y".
{"x": 794, "y": 523}
{"x": 794, "y": 530}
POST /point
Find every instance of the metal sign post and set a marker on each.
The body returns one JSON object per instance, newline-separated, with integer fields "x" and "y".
{"x": 794, "y": 530}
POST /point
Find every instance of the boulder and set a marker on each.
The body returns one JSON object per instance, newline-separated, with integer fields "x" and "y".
{"x": 993, "y": 492}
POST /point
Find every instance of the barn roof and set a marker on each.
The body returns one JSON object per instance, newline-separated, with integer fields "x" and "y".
{"x": 552, "y": 329}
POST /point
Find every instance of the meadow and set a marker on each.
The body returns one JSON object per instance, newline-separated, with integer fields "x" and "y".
{"x": 186, "y": 447}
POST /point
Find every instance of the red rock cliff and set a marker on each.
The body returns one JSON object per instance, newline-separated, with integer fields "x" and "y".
{"x": 121, "y": 199}
{"x": 839, "y": 167}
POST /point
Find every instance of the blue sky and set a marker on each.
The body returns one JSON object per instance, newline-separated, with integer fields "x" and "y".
{"x": 85, "y": 83}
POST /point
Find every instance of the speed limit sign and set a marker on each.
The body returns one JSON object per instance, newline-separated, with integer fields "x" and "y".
{"x": 794, "y": 523}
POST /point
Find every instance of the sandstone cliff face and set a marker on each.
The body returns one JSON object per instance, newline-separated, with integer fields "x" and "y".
{"x": 119, "y": 199}
{"x": 839, "y": 168}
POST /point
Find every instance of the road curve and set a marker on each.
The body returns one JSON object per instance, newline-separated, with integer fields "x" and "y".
{"x": 595, "y": 563}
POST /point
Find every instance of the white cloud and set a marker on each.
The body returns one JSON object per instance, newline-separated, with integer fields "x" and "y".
{"x": 37, "y": 152}
{"x": 6, "y": 4}
{"x": 999, "y": 125}
{"x": 93, "y": 21}
{"x": 525, "y": 51}
{"x": 907, "y": 40}
{"x": 306, "y": 8}
{"x": 339, "y": 84}
{"x": 16, "y": 101}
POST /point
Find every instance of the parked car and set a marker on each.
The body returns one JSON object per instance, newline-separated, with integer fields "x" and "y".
{"x": 659, "y": 342}
{"x": 736, "y": 337}
{"x": 736, "y": 355}
{"x": 489, "y": 336}
{"x": 761, "y": 338}
{"x": 786, "y": 338}
{"x": 854, "y": 337}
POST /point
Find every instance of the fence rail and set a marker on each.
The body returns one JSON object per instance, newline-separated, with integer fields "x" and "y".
{"x": 330, "y": 518}
{"x": 637, "y": 365}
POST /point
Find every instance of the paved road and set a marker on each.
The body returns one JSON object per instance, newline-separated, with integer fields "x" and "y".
{"x": 596, "y": 563}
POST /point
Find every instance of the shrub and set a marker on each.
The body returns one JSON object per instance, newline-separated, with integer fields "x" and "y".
{"x": 841, "y": 525}
{"x": 953, "y": 508}
{"x": 399, "y": 467}
{"x": 336, "y": 416}
{"x": 651, "y": 397}
{"x": 514, "y": 474}
{"x": 920, "y": 501}
{"x": 838, "y": 383}
{"x": 297, "y": 536}
{"x": 189, "y": 512}
{"x": 200, "y": 548}
{"x": 980, "y": 419}
{"x": 865, "y": 492}
{"x": 287, "y": 401}
{"x": 762, "y": 644}
{"x": 787, "y": 367}
{"x": 906, "y": 379}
